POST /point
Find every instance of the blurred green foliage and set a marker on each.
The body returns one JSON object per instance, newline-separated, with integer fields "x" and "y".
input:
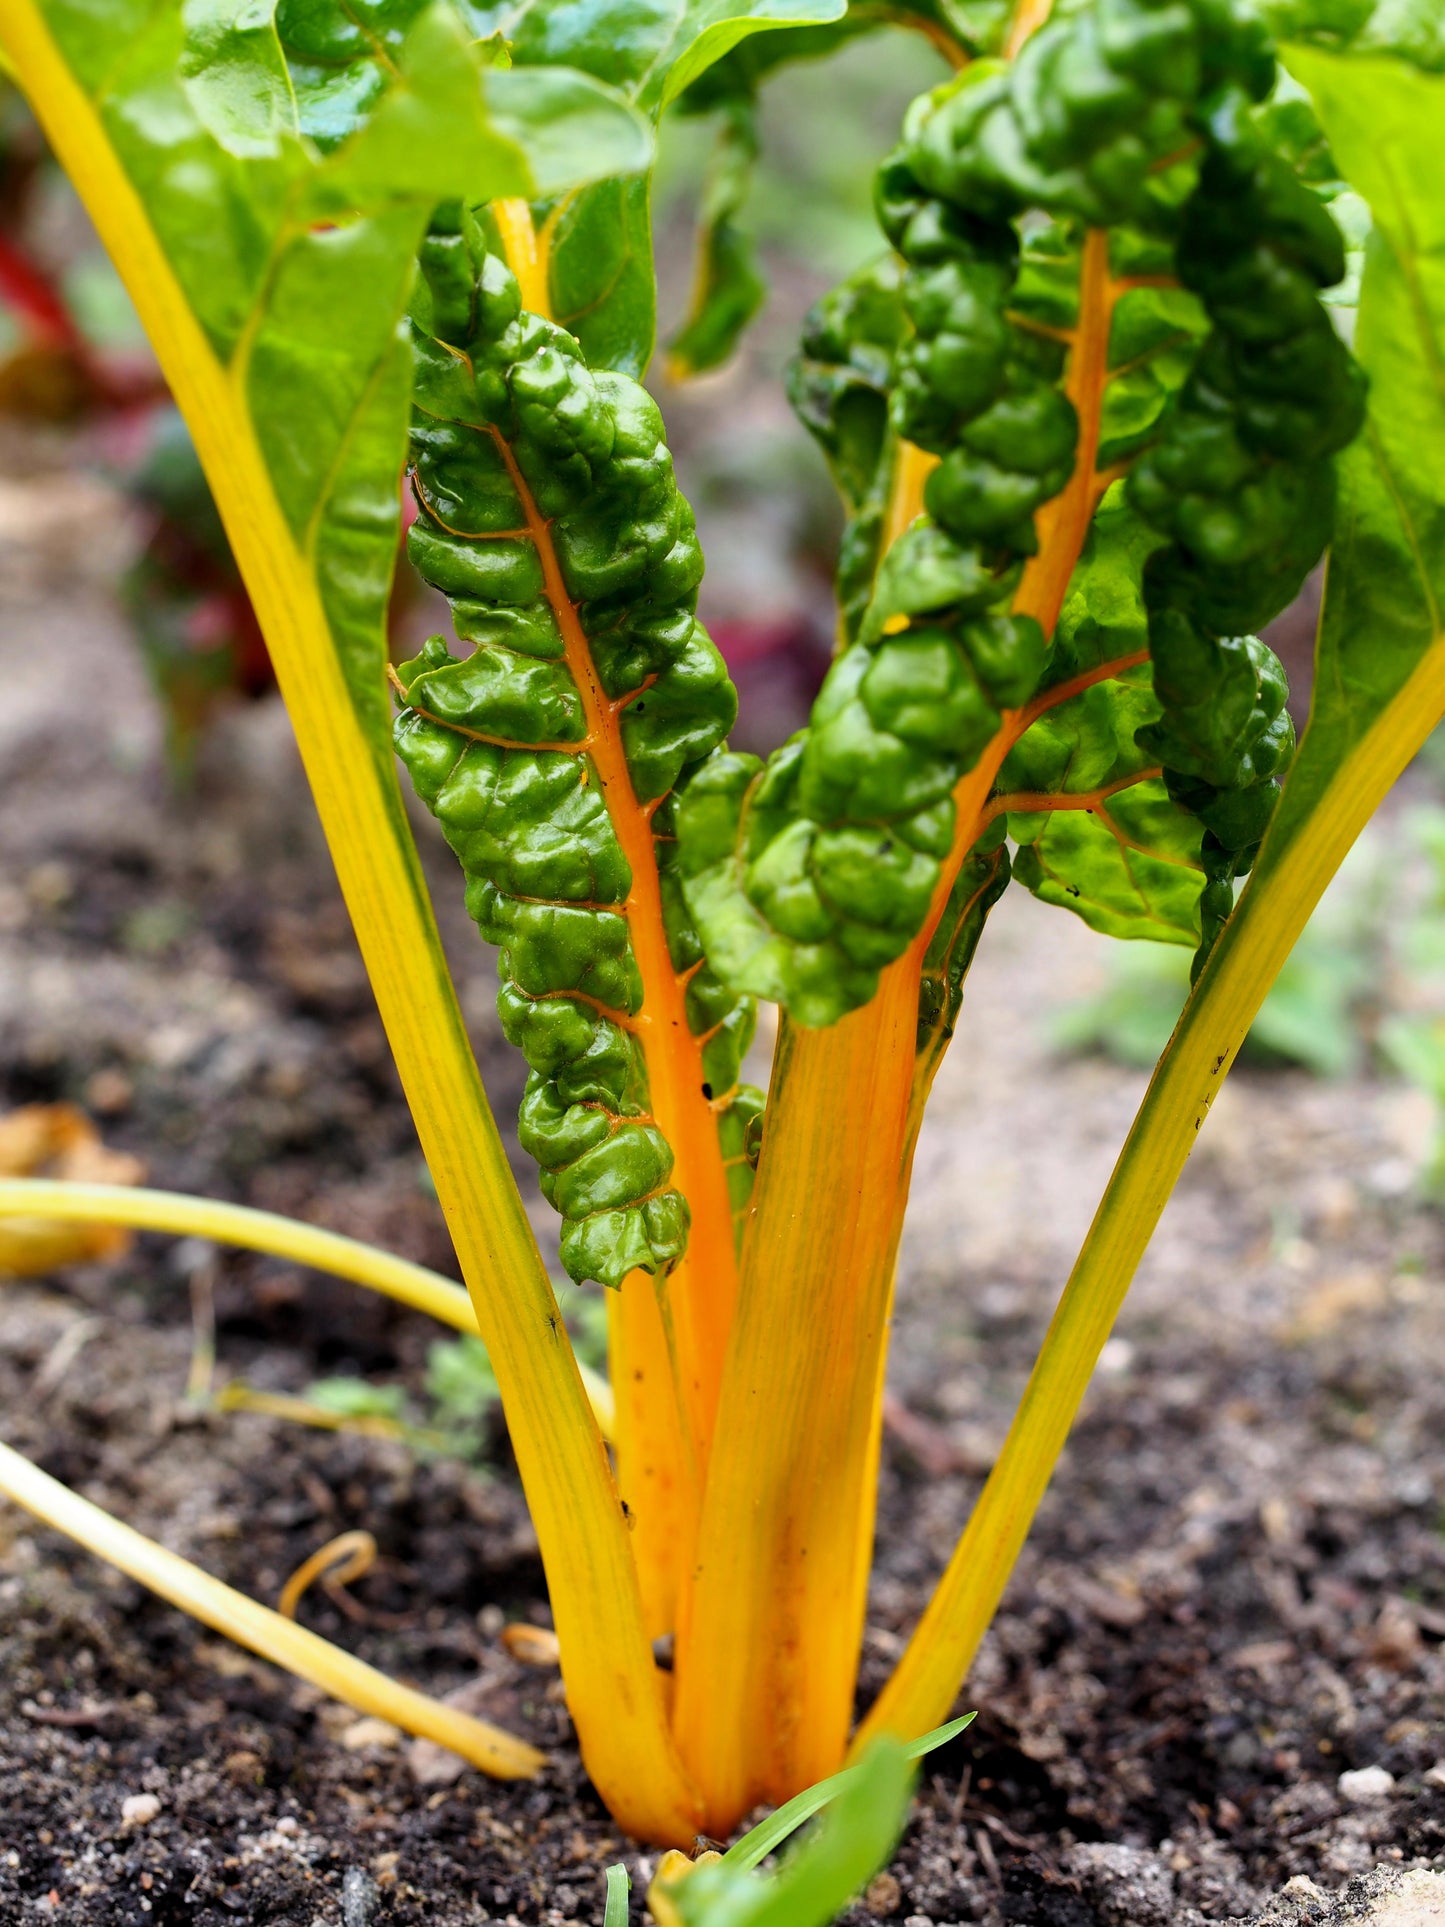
{"x": 459, "y": 1400}
{"x": 1318, "y": 1015}
{"x": 821, "y": 125}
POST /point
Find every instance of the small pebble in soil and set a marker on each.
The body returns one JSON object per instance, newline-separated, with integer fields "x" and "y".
{"x": 360, "y": 1896}
{"x": 1125, "y": 1886}
{"x": 883, "y": 1894}
{"x": 370, "y": 1731}
{"x": 139, "y": 1809}
{"x": 1366, "y": 1783}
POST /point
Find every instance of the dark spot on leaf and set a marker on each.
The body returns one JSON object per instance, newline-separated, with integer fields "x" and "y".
{"x": 707, "y": 1092}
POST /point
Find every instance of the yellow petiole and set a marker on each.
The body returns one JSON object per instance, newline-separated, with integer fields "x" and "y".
{"x": 259, "y": 1629}
{"x": 238, "y": 1224}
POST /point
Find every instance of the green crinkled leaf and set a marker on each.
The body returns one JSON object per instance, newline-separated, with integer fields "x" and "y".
{"x": 1227, "y": 393}
{"x": 603, "y": 284}
{"x": 590, "y": 179}
{"x": 651, "y": 55}
{"x": 1129, "y": 866}
{"x": 468, "y": 117}
{"x": 551, "y": 518}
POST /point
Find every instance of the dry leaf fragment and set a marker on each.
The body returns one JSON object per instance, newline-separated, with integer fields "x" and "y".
{"x": 58, "y": 1141}
{"x": 532, "y": 1645}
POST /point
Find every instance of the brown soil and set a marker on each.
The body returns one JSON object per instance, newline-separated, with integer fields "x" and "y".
{"x": 1234, "y": 1597}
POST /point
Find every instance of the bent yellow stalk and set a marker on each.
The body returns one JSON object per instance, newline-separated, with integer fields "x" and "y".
{"x": 259, "y": 1629}
{"x": 614, "y": 1692}
{"x": 239, "y": 1224}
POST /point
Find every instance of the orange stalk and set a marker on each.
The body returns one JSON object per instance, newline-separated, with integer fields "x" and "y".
{"x": 1029, "y": 17}
{"x": 768, "y": 1649}
{"x": 653, "y": 1470}
{"x": 769, "y": 1640}
{"x": 1063, "y": 523}
{"x": 911, "y": 469}
{"x": 699, "y": 1296}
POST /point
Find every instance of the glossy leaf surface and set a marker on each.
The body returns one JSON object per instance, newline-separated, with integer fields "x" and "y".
{"x": 1095, "y": 829}
{"x": 551, "y": 520}
{"x": 1180, "y": 337}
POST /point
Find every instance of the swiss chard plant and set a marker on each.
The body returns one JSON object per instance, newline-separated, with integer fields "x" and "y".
{"x": 1156, "y": 322}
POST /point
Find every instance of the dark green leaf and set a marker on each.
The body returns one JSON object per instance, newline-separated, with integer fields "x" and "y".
{"x": 1115, "y": 849}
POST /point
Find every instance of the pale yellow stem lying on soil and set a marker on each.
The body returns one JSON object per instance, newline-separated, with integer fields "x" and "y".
{"x": 259, "y": 1629}
{"x": 238, "y": 1224}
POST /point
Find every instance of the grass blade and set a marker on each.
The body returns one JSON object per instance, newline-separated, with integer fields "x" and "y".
{"x": 619, "y": 1886}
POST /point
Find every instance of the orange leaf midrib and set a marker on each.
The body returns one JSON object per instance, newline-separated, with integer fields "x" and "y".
{"x": 1063, "y": 523}
{"x": 701, "y": 1290}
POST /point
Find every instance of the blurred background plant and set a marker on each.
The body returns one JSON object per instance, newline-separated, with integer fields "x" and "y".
{"x": 1363, "y": 992}
{"x": 458, "y": 1410}
{"x": 787, "y": 224}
